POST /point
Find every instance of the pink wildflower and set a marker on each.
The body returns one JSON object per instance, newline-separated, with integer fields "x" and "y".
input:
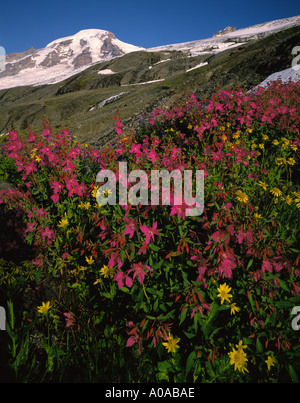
{"x": 70, "y": 320}
{"x": 227, "y": 262}
{"x": 48, "y": 233}
{"x": 131, "y": 226}
{"x": 138, "y": 271}
{"x": 150, "y": 232}
{"x": 123, "y": 279}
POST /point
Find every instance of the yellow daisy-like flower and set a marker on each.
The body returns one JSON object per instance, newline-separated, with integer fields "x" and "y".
{"x": 107, "y": 271}
{"x": 279, "y": 161}
{"x": 107, "y": 192}
{"x": 238, "y": 358}
{"x": 294, "y": 147}
{"x": 82, "y": 268}
{"x": 263, "y": 185}
{"x": 258, "y": 216}
{"x": 94, "y": 191}
{"x": 276, "y": 192}
{"x": 297, "y": 200}
{"x": 275, "y": 142}
{"x": 288, "y": 200}
{"x": 64, "y": 221}
{"x": 86, "y": 205}
{"x": 241, "y": 196}
{"x": 233, "y": 308}
{"x": 261, "y": 146}
{"x": 265, "y": 137}
{"x": 44, "y": 308}
{"x": 270, "y": 362}
{"x": 249, "y": 130}
{"x": 224, "y": 137}
{"x": 171, "y": 344}
{"x": 291, "y": 161}
{"x": 285, "y": 140}
{"x": 224, "y": 291}
{"x": 89, "y": 260}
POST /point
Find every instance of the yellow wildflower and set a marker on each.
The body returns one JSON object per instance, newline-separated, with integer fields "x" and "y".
{"x": 263, "y": 185}
{"x": 107, "y": 271}
{"x": 224, "y": 291}
{"x": 44, "y": 308}
{"x": 89, "y": 260}
{"x": 107, "y": 192}
{"x": 297, "y": 200}
{"x": 294, "y": 147}
{"x": 280, "y": 161}
{"x": 171, "y": 344}
{"x": 275, "y": 142}
{"x": 276, "y": 192}
{"x": 288, "y": 200}
{"x": 265, "y": 137}
{"x": 238, "y": 358}
{"x": 241, "y": 196}
{"x": 291, "y": 161}
{"x": 64, "y": 221}
{"x": 270, "y": 362}
{"x": 261, "y": 146}
{"x": 233, "y": 308}
{"x": 94, "y": 191}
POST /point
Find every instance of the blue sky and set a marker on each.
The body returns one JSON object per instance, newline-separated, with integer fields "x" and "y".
{"x": 142, "y": 23}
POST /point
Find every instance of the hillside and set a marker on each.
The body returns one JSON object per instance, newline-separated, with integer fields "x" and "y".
{"x": 138, "y": 82}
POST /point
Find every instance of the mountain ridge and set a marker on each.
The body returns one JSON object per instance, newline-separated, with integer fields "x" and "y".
{"x": 67, "y": 56}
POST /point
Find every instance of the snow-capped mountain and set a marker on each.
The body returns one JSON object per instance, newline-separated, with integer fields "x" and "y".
{"x": 68, "y": 56}
{"x": 62, "y": 58}
{"x": 230, "y": 37}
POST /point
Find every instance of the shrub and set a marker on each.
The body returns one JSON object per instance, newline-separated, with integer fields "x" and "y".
{"x": 148, "y": 293}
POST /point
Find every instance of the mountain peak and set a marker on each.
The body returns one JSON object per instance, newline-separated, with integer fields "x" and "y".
{"x": 225, "y": 31}
{"x": 62, "y": 58}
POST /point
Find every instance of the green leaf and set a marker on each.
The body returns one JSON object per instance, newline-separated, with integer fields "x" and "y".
{"x": 293, "y": 374}
{"x": 190, "y": 362}
{"x": 250, "y": 263}
{"x": 182, "y": 316}
{"x": 259, "y": 347}
{"x": 283, "y": 285}
{"x": 155, "y": 248}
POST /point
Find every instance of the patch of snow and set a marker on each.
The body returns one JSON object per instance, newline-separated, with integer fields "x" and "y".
{"x": 286, "y": 75}
{"x": 197, "y": 67}
{"x": 108, "y": 101}
{"x": 145, "y": 82}
{"x": 106, "y": 71}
